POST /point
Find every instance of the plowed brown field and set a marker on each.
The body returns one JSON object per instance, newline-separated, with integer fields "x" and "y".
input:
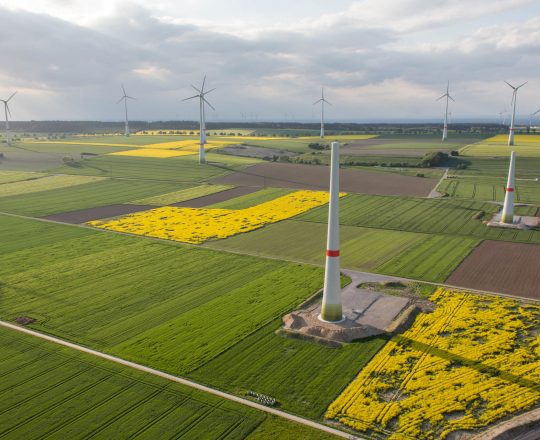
{"x": 502, "y": 267}
{"x": 315, "y": 177}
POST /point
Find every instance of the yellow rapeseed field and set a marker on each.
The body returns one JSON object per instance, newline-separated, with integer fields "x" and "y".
{"x": 197, "y": 225}
{"x": 152, "y": 152}
{"x": 473, "y": 361}
{"x": 525, "y": 146}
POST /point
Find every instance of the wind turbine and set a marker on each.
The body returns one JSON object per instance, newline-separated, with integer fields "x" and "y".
{"x": 447, "y": 96}
{"x": 7, "y": 113}
{"x": 513, "y": 104}
{"x": 531, "y": 118}
{"x": 201, "y": 94}
{"x": 124, "y": 98}
{"x": 322, "y": 100}
{"x": 502, "y": 116}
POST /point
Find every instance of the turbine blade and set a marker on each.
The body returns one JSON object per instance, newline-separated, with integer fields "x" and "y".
{"x": 440, "y": 97}
{"x": 522, "y": 85}
{"x": 509, "y": 84}
{"x": 7, "y": 109}
{"x": 328, "y": 102}
{"x": 130, "y": 97}
{"x": 196, "y": 89}
{"x": 207, "y": 92}
{"x": 203, "y": 82}
{"x": 537, "y": 111}
{"x": 191, "y": 97}
{"x": 124, "y": 90}
{"x": 13, "y": 94}
{"x": 318, "y": 100}
{"x": 121, "y": 99}
{"x": 451, "y": 98}
{"x": 211, "y": 106}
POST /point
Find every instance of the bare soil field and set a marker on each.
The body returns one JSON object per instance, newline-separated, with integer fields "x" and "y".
{"x": 251, "y": 151}
{"x": 503, "y": 267}
{"x": 315, "y": 177}
{"x": 85, "y": 215}
{"x": 384, "y": 147}
{"x": 221, "y": 196}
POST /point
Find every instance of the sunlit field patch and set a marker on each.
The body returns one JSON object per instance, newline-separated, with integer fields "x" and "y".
{"x": 99, "y": 144}
{"x": 197, "y": 225}
{"x": 341, "y": 137}
{"x": 152, "y": 152}
{"x": 44, "y": 183}
{"x": 479, "y": 355}
{"x": 525, "y": 145}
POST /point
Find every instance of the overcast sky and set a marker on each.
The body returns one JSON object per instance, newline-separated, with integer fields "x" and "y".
{"x": 377, "y": 59}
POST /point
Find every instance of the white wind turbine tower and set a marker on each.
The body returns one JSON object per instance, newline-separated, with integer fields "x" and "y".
{"x": 531, "y": 116}
{"x": 513, "y": 104}
{"x": 7, "y": 113}
{"x": 322, "y": 100}
{"x": 447, "y": 96}
{"x": 124, "y": 98}
{"x": 201, "y": 94}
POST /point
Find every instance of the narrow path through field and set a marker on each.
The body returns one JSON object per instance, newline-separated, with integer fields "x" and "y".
{"x": 434, "y": 194}
{"x": 182, "y": 381}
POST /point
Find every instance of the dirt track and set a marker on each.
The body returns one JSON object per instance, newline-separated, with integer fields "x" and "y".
{"x": 283, "y": 175}
{"x": 498, "y": 266}
{"x": 85, "y": 215}
{"x": 221, "y": 196}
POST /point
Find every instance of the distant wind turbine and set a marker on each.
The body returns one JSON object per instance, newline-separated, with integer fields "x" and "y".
{"x": 124, "y": 98}
{"x": 447, "y": 96}
{"x": 322, "y": 100}
{"x": 201, "y": 94}
{"x": 7, "y": 113}
{"x": 502, "y": 116}
{"x": 531, "y": 118}
{"x": 513, "y": 104}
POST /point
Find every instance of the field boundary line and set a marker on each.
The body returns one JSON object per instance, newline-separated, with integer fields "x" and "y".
{"x": 291, "y": 260}
{"x": 182, "y": 381}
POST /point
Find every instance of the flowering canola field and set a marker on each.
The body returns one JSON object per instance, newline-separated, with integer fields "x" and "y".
{"x": 473, "y": 361}
{"x": 197, "y": 225}
{"x": 152, "y": 152}
{"x": 526, "y": 145}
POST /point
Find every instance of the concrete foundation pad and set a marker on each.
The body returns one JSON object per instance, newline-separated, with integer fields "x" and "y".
{"x": 520, "y": 222}
{"x": 366, "y": 313}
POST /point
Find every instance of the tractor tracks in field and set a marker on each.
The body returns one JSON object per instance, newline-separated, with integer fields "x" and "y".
{"x": 182, "y": 381}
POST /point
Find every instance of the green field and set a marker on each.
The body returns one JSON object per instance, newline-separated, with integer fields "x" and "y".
{"x": 89, "y": 195}
{"x": 177, "y": 169}
{"x": 69, "y": 149}
{"x": 437, "y": 216}
{"x": 526, "y": 167}
{"x": 44, "y": 184}
{"x": 376, "y": 250}
{"x": 49, "y": 391}
{"x": 490, "y": 189}
{"x": 17, "y": 176}
{"x": 147, "y": 301}
{"x": 301, "y": 375}
{"x": 525, "y": 146}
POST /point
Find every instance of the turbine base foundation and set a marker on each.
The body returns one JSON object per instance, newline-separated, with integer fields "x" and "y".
{"x": 519, "y": 222}
{"x": 366, "y": 313}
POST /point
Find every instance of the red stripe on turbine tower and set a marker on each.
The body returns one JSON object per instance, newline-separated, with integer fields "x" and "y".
{"x": 330, "y": 253}
{"x": 510, "y": 189}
